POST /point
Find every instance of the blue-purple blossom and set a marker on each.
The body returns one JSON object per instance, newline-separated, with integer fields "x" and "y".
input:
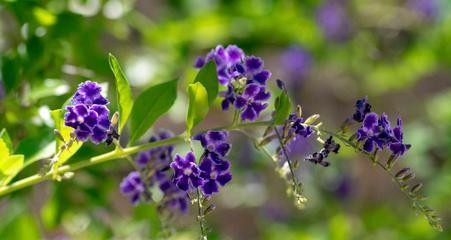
{"x": 133, "y": 187}
{"x": 251, "y": 102}
{"x": 88, "y": 114}
{"x": 89, "y": 93}
{"x": 241, "y": 74}
{"x": 329, "y": 146}
{"x": 299, "y": 127}
{"x": 215, "y": 169}
{"x": 212, "y": 174}
{"x": 333, "y": 20}
{"x": 159, "y": 157}
{"x": 429, "y": 9}
{"x": 186, "y": 172}
{"x": 362, "y": 109}
{"x": 296, "y": 63}
{"x": 376, "y": 132}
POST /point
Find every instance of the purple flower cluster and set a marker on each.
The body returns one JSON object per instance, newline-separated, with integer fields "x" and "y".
{"x": 213, "y": 169}
{"x": 299, "y": 127}
{"x": 154, "y": 165}
{"x": 88, "y": 114}
{"x": 333, "y": 20}
{"x": 376, "y": 132}
{"x": 245, "y": 78}
{"x": 429, "y": 9}
{"x": 296, "y": 62}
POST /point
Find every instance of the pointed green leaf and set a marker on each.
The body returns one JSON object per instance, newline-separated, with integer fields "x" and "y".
{"x": 4, "y": 150}
{"x": 124, "y": 92}
{"x": 5, "y": 136}
{"x": 11, "y": 165}
{"x": 65, "y": 132}
{"x": 198, "y": 106}
{"x": 283, "y": 108}
{"x": 149, "y": 106}
{"x": 209, "y": 79}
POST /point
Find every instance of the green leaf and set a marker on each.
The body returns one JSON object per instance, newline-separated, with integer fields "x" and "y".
{"x": 209, "y": 79}
{"x": 5, "y": 136}
{"x": 198, "y": 106}
{"x": 149, "y": 106}
{"x": 124, "y": 93}
{"x": 283, "y": 108}
{"x": 65, "y": 132}
{"x": 4, "y": 150}
{"x": 11, "y": 165}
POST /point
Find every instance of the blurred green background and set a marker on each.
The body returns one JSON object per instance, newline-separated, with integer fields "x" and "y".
{"x": 397, "y": 52}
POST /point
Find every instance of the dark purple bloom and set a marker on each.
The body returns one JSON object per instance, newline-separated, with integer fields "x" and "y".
{"x": 88, "y": 115}
{"x": 187, "y": 172}
{"x": 362, "y": 109}
{"x": 333, "y": 20}
{"x": 296, "y": 63}
{"x": 329, "y": 146}
{"x": 377, "y": 132}
{"x": 281, "y": 85}
{"x": 213, "y": 175}
{"x": 299, "y": 127}
{"x": 397, "y": 146}
{"x": 89, "y": 93}
{"x": 429, "y": 9}
{"x": 133, "y": 187}
{"x": 88, "y": 121}
{"x": 251, "y": 101}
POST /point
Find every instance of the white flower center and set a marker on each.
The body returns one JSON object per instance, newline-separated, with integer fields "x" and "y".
{"x": 187, "y": 171}
{"x": 80, "y": 119}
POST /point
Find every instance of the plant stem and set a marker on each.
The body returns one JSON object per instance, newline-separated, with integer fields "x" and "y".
{"x": 115, "y": 154}
{"x": 200, "y": 215}
{"x": 295, "y": 184}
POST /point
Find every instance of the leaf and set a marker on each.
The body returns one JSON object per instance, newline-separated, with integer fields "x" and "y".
{"x": 4, "y": 150}
{"x": 149, "y": 106}
{"x": 209, "y": 79}
{"x": 5, "y": 136}
{"x": 283, "y": 108}
{"x": 65, "y": 132}
{"x": 124, "y": 92}
{"x": 11, "y": 165}
{"x": 198, "y": 105}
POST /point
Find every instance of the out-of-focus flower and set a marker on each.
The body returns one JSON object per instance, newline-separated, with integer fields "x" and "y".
{"x": 428, "y": 9}
{"x": 296, "y": 63}
{"x": 329, "y": 146}
{"x": 362, "y": 109}
{"x": 133, "y": 187}
{"x": 334, "y": 20}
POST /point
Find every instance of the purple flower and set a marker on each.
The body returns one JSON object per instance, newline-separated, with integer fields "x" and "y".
{"x": 133, "y": 187}
{"x": 377, "y": 132}
{"x": 299, "y": 127}
{"x": 429, "y": 9}
{"x": 88, "y": 115}
{"x": 296, "y": 63}
{"x": 159, "y": 157}
{"x": 213, "y": 175}
{"x": 89, "y": 122}
{"x": 186, "y": 172}
{"x": 251, "y": 101}
{"x": 397, "y": 147}
{"x": 362, "y": 108}
{"x": 329, "y": 146}
{"x": 225, "y": 59}
{"x": 333, "y": 20}
{"x": 89, "y": 93}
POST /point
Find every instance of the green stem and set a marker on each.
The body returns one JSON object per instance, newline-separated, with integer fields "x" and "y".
{"x": 200, "y": 215}
{"x": 115, "y": 154}
{"x": 295, "y": 184}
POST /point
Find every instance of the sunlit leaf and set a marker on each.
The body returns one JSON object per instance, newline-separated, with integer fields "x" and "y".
{"x": 198, "y": 105}
{"x": 124, "y": 93}
{"x": 149, "y": 106}
{"x": 5, "y": 136}
{"x": 65, "y": 132}
{"x": 209, "y": 79}
{"x": 283, "y": 108}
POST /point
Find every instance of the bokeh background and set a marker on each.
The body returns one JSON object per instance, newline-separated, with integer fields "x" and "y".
{"x": 330, "y": 52}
